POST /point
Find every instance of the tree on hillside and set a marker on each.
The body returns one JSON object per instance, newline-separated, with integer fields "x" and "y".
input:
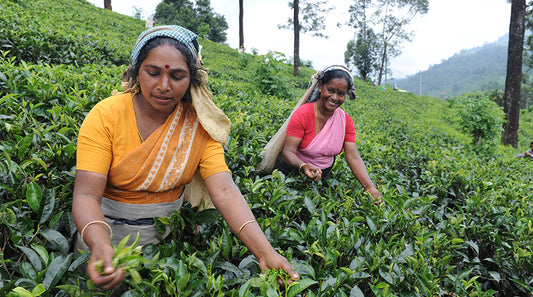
{"x": 389, "y": 18}
{"x": 482, "y": 118}
{"x": 361, "y": 53}
{"x": 313, "y": 19}
{"x": 241, "y": 24}
{"x": 107, "y": 4}
{"x": 211, "y": 25}
{"x": 527, "y": 78}
{"x": 176, "y": 12}
{"x": 513, "y": 79}
{"x": 199, "y": 18}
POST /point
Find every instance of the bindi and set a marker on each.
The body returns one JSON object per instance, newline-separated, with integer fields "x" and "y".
{"x": 167, "y": 66}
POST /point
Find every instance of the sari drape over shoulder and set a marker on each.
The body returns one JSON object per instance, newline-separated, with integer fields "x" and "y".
{"x": 327, "y": 143}
{"x": 161, "y": 165}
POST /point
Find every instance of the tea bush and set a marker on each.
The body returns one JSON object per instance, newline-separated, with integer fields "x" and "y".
{"x": 454, "y": 222}
{"x": 58, "y": 32}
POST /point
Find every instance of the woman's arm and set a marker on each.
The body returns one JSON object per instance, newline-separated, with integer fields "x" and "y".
{"x": 88, "y": 190}
{"x": 290, "y": 158}
{"x": 229, "y": 201}
{"x": 359, "y": 170}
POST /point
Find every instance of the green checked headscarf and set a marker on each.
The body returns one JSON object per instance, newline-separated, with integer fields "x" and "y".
{"x": 178, "y": 33}
{"x": 212, "y": 118}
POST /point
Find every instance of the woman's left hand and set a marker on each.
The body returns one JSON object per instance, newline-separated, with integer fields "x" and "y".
{"x": 231, "y": 204}
{"x": 276, "y": 261}
{"x": 376, "y": 195}
{"x": 311, "y": 171}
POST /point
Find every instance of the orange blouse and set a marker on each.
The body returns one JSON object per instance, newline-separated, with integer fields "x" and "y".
{"x": 155, "y": 170}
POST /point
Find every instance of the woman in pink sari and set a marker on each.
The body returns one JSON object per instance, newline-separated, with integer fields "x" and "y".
{"x": 319, "y": 130}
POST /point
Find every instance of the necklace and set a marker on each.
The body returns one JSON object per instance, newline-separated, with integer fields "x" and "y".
{"x": 316, "y": 118}
{"x": 140, "y": 136}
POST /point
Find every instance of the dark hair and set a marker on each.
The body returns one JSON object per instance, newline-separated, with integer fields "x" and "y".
{"x": 132, "y": 73}
{"x": 336, "y": 73}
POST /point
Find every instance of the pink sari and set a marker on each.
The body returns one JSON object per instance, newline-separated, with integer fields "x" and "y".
{"x": 327, "y": 143}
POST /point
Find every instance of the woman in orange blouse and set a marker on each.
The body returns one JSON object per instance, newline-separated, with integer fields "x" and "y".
{"x": 138, "y": 150}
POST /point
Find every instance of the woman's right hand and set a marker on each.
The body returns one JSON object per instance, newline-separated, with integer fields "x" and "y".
{"x": 311, "y": 171}
{"x": 88, "y": 191}
{"x": 112, "y": 276}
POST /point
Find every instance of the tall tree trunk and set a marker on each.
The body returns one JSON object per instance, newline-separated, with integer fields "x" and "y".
{"x": 241, "y": 25}
{"x": 383, "y": 63}
{"x": 296, "y": 38}
{"x": 513, "y": 79}
{"x": 107, "y": 4}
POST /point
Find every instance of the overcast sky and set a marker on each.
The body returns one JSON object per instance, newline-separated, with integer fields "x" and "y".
{"x": 448, "y": 27}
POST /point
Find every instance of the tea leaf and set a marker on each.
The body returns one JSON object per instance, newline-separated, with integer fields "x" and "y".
{"x": 297, "y": 287}
{"x": 33, "y": 257}
{"x": 56, "y": 239}
{"x": 356, "y": 292}
{"x": 56, "y": 270}
{"x": 33, "y": 196}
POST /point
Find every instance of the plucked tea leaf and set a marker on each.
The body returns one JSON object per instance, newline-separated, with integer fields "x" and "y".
{"x": 135, "y": 276}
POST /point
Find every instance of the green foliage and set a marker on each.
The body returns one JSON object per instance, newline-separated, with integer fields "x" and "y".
{"x": 482, "y": 118}
{"x": 453, "y": 224}
{"x": 313, "y": 16}
{"x": 199, "y": 18}
{"x": 270, "y": 78}
{"x": 34, "y": 31}
{"x": 389, "y": 20}
{"x": 126, "y": 258}
{"x": 362, "y": 54}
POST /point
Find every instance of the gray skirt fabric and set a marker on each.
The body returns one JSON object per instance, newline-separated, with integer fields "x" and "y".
{"x": 128, "y": 219}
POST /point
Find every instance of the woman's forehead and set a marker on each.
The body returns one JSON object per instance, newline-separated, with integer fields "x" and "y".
{"x": 337, "y": 83}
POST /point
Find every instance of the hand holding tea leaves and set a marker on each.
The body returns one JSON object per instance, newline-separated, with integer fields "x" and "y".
{"x": 376, "y": 196}
{"x": 273, "y": 282}
{"x": 124, "y": 259}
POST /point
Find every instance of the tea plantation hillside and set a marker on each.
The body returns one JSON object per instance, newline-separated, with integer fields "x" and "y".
{"x": 454, "y": 222}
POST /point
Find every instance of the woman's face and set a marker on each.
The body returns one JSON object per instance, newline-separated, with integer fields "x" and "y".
{"x": 164, "y": 78}
{"x": 333, "y": 93}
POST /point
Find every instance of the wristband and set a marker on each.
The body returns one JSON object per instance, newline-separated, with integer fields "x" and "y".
{"x": 95, "y": 222}
{"x": 300, "y": 168}
{"x": 244, "y": 225}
